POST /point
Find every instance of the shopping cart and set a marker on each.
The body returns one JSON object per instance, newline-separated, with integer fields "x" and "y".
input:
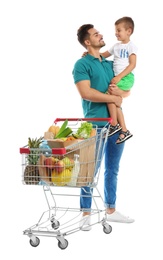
{"x": 62, "y": 169}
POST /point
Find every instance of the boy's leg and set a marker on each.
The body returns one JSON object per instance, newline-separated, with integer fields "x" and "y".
{"x": 121, "y": 119}
{"x": 113, "y": 113}
{"x": 115, "y": 126}
{"x": 125, "y": 133}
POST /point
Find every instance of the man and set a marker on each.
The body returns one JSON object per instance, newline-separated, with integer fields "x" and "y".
{"x": 92, "y": 76}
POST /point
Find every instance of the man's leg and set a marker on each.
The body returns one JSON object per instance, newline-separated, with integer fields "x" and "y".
{"x": 112, "y": 159}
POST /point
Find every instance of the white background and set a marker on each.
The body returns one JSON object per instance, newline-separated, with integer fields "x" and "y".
{"x": 38, "y": 48}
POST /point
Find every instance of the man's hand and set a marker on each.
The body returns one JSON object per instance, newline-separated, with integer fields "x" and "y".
{"x": 114, "y": 90}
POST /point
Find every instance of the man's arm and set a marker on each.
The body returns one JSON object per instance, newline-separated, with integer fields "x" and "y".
{"x": 88, "y": 93}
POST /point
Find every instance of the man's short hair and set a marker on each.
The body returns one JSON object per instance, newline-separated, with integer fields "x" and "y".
{"x": 83, "y": 33}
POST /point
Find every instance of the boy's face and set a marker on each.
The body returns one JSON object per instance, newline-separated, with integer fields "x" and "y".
{"x": 122, "y": 33}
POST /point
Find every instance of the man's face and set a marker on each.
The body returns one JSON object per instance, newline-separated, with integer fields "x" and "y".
{"x": 96, "y": 39}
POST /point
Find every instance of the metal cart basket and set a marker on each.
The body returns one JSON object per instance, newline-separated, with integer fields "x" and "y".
{"x": 62, "y": 169}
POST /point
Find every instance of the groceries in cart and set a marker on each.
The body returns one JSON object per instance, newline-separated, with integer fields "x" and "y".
{"x": 65, "y": 156}
{"x": 67, "y": 133}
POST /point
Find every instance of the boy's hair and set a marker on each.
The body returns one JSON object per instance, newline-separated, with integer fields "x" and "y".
{"x": 128, "y": 23}
{"x": 83, "y": 34}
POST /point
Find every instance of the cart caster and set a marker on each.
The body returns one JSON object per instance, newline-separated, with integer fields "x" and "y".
{"x": 55, "y": 224}
{"x": 63, "y": 244}
{"x": 107, "y": 229}
{"x": 34, "y": 242}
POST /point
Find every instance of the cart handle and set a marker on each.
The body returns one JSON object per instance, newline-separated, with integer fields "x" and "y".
{"x": 109, "y": 119}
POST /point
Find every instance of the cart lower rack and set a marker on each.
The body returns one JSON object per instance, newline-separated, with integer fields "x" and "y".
{"x": 62, "y": 171}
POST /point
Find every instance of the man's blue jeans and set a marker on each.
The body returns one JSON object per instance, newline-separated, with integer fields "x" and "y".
{"x": 112, "y": 157}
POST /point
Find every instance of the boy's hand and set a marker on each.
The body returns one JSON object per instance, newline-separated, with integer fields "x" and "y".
{"x": 84, "y": 53}
{"x": 115, "y": 80}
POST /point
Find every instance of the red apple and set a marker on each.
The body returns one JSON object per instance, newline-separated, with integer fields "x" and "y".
{"x": 50, "y": 162}
{"x": 59, "y": 166}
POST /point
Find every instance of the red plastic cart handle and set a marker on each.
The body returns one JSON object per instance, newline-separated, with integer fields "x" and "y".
{"x": 108, "y": 119}
{"x": 56, "y": 151}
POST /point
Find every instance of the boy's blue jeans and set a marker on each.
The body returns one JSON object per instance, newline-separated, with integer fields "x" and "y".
{"x": 112, "y": 157}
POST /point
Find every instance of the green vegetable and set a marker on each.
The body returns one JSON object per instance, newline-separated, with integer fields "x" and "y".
{"x": 66, "y": 132}
{"x": 63, "y": 127}
{"x": 84, "y": 131}
{"x": 75, "y": 136}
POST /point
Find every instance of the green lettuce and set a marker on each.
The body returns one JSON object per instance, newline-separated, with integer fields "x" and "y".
{"x": 84, "y": 131}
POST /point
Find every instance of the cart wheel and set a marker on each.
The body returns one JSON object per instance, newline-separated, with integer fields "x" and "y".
{"x": 63, "y": 245}
{"x": 35, "y": 243}
{"x": 56, "y": 224}
{"x": 107, "y": 229}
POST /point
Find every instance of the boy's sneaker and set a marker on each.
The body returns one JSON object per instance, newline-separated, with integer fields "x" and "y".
{"x": 114, "y": 129}
{"x": 118, "y": 217}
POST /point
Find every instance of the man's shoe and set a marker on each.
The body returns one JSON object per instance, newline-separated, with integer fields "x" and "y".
{"x": 118, "y": 217}
{"x": 85, "y": 223}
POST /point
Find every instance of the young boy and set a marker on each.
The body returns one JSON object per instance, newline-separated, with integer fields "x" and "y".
{"x": 124, "y": 62}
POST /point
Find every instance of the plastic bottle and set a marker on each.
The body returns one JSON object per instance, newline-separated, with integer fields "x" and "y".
{"x": 44, "y": 145}
{"x": 76, "y": 170}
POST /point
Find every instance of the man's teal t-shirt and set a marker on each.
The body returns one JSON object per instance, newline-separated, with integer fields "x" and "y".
{"x": 100, "y": 75}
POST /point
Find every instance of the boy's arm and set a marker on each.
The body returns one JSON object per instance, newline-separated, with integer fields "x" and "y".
{"x": 127, "y": 70}
{"x": 105, "y": 54}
